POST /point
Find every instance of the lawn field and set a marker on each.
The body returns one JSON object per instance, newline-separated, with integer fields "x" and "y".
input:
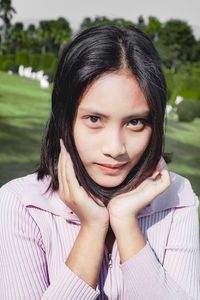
{"x": 24, "y": 108}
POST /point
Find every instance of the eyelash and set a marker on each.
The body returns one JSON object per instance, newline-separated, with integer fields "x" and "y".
{"x": 144, "y": 122}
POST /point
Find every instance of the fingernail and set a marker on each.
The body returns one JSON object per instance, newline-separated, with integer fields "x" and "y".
{"x": 61, "y": 143}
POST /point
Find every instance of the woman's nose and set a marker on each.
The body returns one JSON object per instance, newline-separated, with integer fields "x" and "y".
{"x": 114, "y": 145}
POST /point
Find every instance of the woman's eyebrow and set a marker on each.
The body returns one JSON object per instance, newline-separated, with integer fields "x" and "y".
{"x": 93, "y": 112}
{"x": 139, "y": 114}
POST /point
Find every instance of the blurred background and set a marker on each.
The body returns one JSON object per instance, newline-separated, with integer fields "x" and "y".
{"x": 32, "y": 36}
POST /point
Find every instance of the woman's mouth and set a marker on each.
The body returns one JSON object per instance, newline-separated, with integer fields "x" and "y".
{"x": 111, "y": 168}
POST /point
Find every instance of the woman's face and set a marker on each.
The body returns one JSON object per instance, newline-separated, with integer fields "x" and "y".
{"x": 111, "y": 128}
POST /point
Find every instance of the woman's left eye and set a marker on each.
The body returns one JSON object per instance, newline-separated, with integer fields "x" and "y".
{"x": 137, "y": 123}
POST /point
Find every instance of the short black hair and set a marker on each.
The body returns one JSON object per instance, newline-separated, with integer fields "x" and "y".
{"x": 92, "y": 53}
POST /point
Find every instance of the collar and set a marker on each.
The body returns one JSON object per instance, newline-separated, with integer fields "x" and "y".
{"x": 179, "y": 194}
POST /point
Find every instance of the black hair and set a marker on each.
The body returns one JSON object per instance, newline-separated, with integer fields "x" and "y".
{"x": 91, "y": 54}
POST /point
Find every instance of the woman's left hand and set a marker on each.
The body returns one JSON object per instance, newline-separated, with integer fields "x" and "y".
{"x": 125, "y": 207}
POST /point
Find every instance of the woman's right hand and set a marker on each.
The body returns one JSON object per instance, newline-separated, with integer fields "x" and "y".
{"x": 90, "y": 212}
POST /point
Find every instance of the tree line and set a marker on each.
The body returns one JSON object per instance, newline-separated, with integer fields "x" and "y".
{"x": 173, "y": 39}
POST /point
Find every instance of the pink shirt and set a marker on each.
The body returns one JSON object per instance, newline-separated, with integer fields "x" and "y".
{"x": 37, "y": 232}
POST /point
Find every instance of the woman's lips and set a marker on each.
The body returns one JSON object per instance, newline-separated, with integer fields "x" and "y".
{"x": 111, "y": 169}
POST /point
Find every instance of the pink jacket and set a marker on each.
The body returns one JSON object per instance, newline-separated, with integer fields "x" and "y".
{"x": 37, "y": 232}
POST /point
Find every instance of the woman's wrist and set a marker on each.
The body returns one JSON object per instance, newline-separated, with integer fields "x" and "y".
{"x": 96, "y": 228}
{"x": 129, "y": 237}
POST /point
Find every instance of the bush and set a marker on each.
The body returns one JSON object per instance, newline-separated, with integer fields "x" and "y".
{"x": 46, "y": 61}
{"x": 9, "y": 65}
{"x": 169, "y": 76}
{"x": 186, "y": 83}
{"x": 5, "y": 61}
{"x": 34, "y": 60}
{"x": 188, "y": 110}
{"x": 22, "y": 58}
{"x": 50, "y": 72}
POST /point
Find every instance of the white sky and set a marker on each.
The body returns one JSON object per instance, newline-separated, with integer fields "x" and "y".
{"x": 74, "y": 11}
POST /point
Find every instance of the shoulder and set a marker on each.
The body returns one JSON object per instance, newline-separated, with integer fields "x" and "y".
{"x": 13, "y": 194}
{"x": 178, "y": 194}
{"x": 14, "y": 215}
{"x": 18, "y": 185}
{"x": 34, "y": 194}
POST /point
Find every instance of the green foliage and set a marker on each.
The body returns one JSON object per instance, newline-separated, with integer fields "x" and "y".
{"x": 169, "y": 76}
{"x": 22, "y": 58}
{"x": 186, "y": 84}
{"x": 6, "y": 61}
{"x": 188, "y": 110}
{"x": 46, "y": 61}
{"x": 178, "y": 37}
{"x": 6, "y": 15}
{"x": 53, "y": 34}
{"x": 9, "y": 65}
{"x": 153, "y": 28}
{"x": 50, "y": 72}
{"x": 101, "y": 20}
{"x": 34, "y": 60}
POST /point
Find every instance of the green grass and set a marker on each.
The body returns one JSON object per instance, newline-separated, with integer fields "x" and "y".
{"x": 24, "y": 108}
{"x": 183, "y": 141}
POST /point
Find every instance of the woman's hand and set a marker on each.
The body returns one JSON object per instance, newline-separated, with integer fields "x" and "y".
{"x": 90, "y": 212}
{"x": 124, "y": 207}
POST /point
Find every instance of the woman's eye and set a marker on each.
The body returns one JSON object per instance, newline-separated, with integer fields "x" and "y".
{"x": 137, "y": 124}
{"x": 94, "y": 119}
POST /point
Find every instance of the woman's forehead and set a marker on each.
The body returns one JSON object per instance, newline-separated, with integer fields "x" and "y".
{"x": 114, "y": 92}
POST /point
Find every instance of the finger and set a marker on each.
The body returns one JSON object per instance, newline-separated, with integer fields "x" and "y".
{"x": 165, "y": 177}
{"x": 161, "y": 165}
{"x": 155, "y": 175}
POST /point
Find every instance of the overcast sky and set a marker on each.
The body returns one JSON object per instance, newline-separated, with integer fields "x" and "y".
{"x": 74, "y": 11}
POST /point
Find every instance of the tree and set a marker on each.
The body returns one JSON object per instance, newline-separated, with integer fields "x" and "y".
{"x": 53, "y": 34}
{"x": 32, "y": 39}
{"x": 153, "y": 28}
{"x": 6, "y": 14}
{"x": 178, "y": 38}
{"x": 102, "y": 20}
{"x": 18, "y": 39}
{"x": 141, "y": 23}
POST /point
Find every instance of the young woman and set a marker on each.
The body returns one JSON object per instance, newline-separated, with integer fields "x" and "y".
{"x": 102, "y": 217}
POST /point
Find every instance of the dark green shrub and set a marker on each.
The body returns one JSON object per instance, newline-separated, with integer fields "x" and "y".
{"x": 22, "y": 58}
{"x": 1, "y": 61}
{"x": 5, "y": 64}
{"x": 169, "y": 76}
{"x": 186, "y": 85}
{"x": 5, "y": 60}
{"x": 188, "y": 110}
{"x": 50, "y": 72}
{"x": 10, "y": 66}
{"x": 46, "y": 61}
{"x": 34, "y": 60}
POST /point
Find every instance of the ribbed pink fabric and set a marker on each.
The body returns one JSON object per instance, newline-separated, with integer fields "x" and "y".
{"x": 37, "y": 232}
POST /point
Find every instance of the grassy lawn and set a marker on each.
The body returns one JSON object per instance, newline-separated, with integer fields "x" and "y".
{"x": 24, "y": 108}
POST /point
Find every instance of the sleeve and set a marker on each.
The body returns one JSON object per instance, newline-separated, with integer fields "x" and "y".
{"x": 178, "y": 278}
{"x": 23, "y": 265}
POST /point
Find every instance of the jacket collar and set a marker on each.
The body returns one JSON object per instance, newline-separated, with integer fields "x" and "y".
{"x": 179, "y": 194}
